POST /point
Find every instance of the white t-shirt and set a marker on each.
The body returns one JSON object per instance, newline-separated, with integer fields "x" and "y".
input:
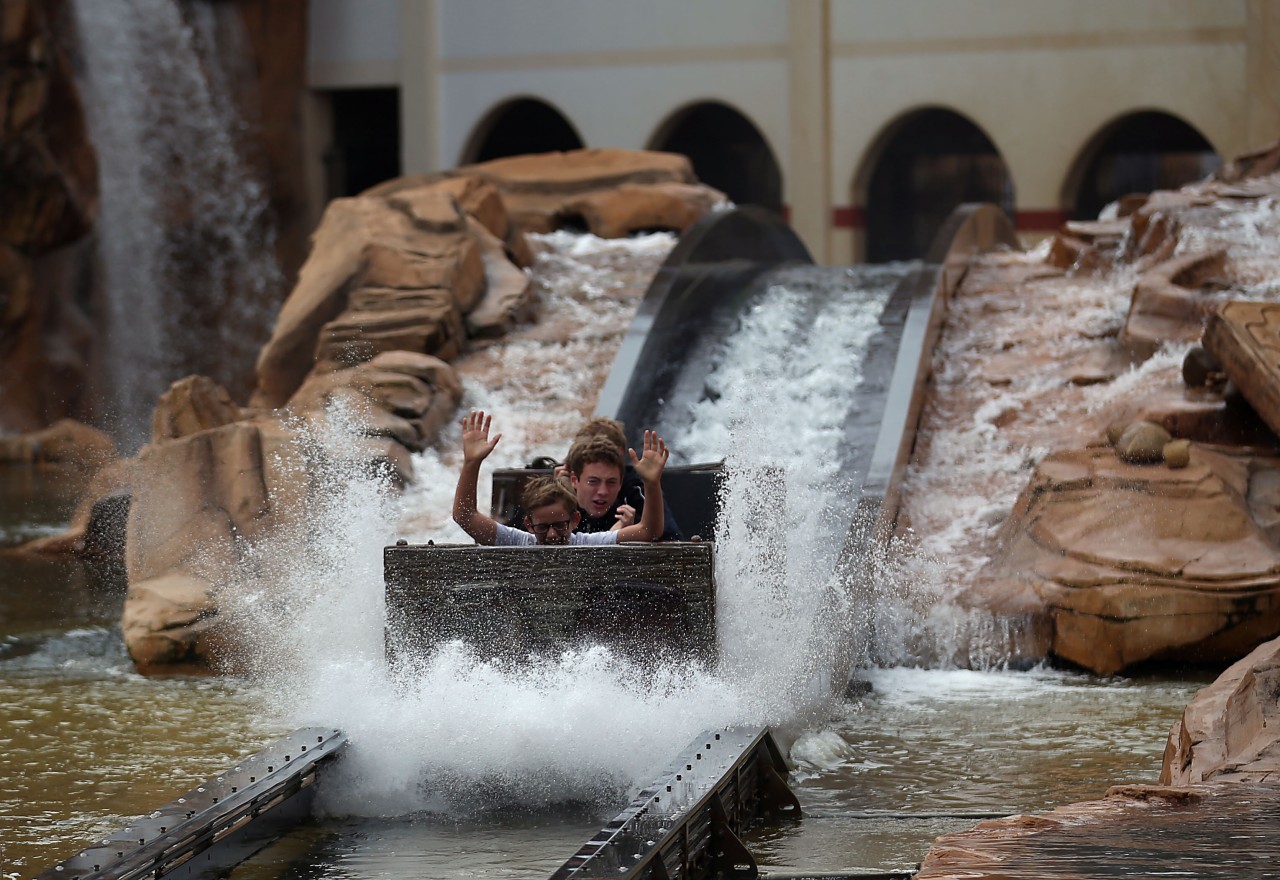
{"x": 509, "y": 537}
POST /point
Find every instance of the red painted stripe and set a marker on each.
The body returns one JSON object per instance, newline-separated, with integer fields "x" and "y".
{"x": 854, "y": 217}
{"x": 848, "y": 217}
{"x": 1041, "y": 221}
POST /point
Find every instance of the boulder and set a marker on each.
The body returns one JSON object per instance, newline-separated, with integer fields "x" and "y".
{"x": 385, "y": 319}
{"x": 1171, "y": 302}
{"x": 196, "y": 501}
{"x": 171, "y": 626}
{"x": 536, "y": 188}
{"x": 379, "y": 276}
{"x": 1244, "y": 338}
{"x": 1033, "y": 845}
{"x": 349, "y": 228}
{"x": 66, "y": 441}
{"x": 1142, "y": 442}
{"x": 404, "y": 395}
{"x": 508, "y": 298}
{"x": 1129, "y": 564}
{"x": 191, "y": 405}
{"x": 641, "y": 207}
{"x": 1230, "y": 731}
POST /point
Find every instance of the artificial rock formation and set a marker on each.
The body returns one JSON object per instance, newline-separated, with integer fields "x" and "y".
{"x": 1161, "y": 546}
{"x": 49, "y": 190}
{"x": 399, "y": 280}
{"x": 1126, "y": 564}
{"x": 66, "y": 441}
{"x": 197, "y": 500}
{"x": 1244, "y": 341}
{"x": 1230, "y": 731}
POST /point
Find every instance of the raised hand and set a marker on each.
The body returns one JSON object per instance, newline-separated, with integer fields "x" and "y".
{"x": 650, "y": 464}
{"x": 476, "y": 444}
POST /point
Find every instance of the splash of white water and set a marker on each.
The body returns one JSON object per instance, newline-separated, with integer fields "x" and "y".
{"x": 458, "y": 732}
{"x": 185, "y": 241}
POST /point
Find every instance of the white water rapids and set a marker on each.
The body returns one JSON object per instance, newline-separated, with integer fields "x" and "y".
{"x": 586, "y": 725}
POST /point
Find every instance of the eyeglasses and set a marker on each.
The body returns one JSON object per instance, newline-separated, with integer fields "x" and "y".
{"x": 543, "y": 528}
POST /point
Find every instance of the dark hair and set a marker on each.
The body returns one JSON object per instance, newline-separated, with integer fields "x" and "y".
{"x": 602, "y": 427}
{"x": 589, "y": 450}
{"x": 541, "y": 491}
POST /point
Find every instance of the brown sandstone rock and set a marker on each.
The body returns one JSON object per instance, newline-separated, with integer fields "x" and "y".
{"x": 373, "y": 283}
{"x": 630, "y": 208}
{"x": 401, "y": 394}
{"x": 195, "y": 500}
{"x": 382, "y": 319}
{"x": 536, "y": 188}
{"x": 508, "y": 297}
{"x": 190, "y": 405}
{"x": 1142, "y": 442}
{"x": 1244, "y": 337}
{"x": 171, "y": 626}
{"x": 348, "y": 228}
{"x": 1231, "y": 729}
{"x": 1023, "y": 846}
{"x": 1171, "y": 303}
{"x": 1257, "y": 163}
{"x": 480, "y": 199}
{"x": 1132, "y": 564}
{"x": 1177, "y": 453}
{"x": 66, "y": 441}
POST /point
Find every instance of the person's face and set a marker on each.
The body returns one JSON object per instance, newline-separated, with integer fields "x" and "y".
{"x": 597, "y": 487}
{"x": 551, "y": 523}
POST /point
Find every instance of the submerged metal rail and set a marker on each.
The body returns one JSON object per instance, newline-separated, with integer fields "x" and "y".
{"x": 220, "y": 822}
{"x": 688, "y": 824}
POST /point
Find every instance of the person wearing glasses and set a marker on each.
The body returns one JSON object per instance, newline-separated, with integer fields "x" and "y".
{"x": 551, "y": 506}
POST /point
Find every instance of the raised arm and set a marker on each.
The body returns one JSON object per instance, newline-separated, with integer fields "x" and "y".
{"x": 649, "y": 467}
{"x": 476, "y": 447}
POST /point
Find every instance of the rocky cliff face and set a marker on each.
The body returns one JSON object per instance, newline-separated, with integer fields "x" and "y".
{"x": 49, "y": 189}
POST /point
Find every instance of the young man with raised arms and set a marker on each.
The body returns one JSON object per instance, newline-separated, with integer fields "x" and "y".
{"x": 551, "y": 507}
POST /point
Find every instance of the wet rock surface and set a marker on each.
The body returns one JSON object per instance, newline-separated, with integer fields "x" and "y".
{"x": 49, "y": 190}
{"x": 1060, "y": 396}
{"x": 1120, "y": 553}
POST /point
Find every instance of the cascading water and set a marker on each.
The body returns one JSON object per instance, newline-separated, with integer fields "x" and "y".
{"x": 185, "y": 241}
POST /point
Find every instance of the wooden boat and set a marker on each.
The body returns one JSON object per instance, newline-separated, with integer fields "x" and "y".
{"x": 649, "y": 601}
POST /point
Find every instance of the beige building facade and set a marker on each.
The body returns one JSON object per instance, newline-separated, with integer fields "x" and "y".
{"x": 862, "y": 120}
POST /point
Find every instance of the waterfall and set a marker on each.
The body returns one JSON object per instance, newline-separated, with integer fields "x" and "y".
{"x": 185, "y": 240}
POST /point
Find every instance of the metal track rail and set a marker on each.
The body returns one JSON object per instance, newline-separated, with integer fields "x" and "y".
{"x": 217, "y": 824}
{"x": 688, "y": 824}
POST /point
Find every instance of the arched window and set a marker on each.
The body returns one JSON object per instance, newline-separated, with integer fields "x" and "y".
{"x": 519, "y": 126}
{"x": 727, "y": 151}
{"x": 1136, "y": 153}
{"x": 927, "y": 164}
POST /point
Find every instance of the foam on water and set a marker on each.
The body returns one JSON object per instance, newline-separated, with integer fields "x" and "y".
{"x": 454, "y": 731}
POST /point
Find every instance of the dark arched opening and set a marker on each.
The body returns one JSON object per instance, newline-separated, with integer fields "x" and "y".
{"x": 1138, "y": 153}
{"x": 727, "y": 151}
{"x": 364, "y": 149}
{"x": 928, "y": 164}
{"x": 524, "y": 125}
